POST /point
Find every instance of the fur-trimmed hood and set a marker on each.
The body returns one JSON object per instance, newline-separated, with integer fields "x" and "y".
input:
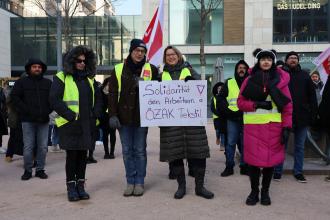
{"x": 71, "y": 56}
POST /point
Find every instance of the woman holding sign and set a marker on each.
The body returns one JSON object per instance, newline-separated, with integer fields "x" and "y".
{"x": 266, "y": 102}
{"x": 178, "y": 143}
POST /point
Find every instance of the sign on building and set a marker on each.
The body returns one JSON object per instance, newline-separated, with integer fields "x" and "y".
{"x": 173, "y": 103}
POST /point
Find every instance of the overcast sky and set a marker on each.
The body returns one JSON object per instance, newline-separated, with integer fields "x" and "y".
{"x": 128, "y": 7}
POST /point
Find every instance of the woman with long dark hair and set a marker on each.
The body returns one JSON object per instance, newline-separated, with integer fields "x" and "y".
{"x": 266, "y": 102}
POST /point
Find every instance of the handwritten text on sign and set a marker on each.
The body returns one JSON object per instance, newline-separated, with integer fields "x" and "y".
{"x": 173, "y": 103}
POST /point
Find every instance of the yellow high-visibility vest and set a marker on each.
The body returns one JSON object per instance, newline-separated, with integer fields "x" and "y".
{"x": 263, "y": 116}
{"x": 71, "y": 96}
{"x": 233, "y": 92}
{"x": 184, "y": 73}
{"x": 147, "y": 74}
{"x": 215, "y": 107}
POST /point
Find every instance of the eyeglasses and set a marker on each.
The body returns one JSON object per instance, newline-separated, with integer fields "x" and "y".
{"x": 80, "y": 61}
{"x": 170, "y": 54}
{"x": 142, "y": 51}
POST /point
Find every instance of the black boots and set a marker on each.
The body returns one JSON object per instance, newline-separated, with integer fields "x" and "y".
{"x": 253, "y": 198}
{"x": 181, "y": 179}
{"x": 265, "y": 199}
{"x": 171, "y": 174}
{"x": 199, "y": 184}
{"x": 76, "y": 190}
{"x": 228, "y": 171}
{"x": 254, "y": 174}
{"x": 81, "y": 189}
{"x": 72, "y": 192}
{"x": 267, "y": 174}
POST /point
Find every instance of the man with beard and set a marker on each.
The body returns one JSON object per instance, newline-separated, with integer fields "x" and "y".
{"x": 30, "y": 99}
{"x": 304, "y": 112}
{"x": 124, "y": 113}
{"x": 234, "y": 119}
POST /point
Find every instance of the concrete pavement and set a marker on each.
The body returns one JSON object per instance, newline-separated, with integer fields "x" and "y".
{"x": 46, "y": 199}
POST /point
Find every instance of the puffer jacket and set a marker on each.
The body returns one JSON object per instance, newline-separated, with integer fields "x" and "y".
{"x": 183, "y": 142}
{"x": 262, "y": 142}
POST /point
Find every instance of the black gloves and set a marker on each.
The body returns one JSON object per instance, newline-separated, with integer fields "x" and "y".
{"x": 264, "y": 105}
{"x": 114, "y": 122}
{"x": 285, "y": 135}
{"x": 188, "y": 78}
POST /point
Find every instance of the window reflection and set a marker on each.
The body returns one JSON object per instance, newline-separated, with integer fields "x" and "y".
{"x": 301, "y": 21}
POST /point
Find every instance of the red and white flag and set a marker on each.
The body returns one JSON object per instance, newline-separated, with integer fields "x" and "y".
{"x": 153, "y": 37}
{"x": 322, "y": 63}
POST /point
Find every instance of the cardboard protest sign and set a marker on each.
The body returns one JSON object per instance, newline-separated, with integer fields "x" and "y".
{"x": 173, "y": 103}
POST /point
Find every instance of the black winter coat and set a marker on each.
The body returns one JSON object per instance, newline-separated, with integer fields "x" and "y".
{"x": 77, "y": 134}
{"x": 324, "y": 108}
{"x": 183, "y": 142}
{"x": 30, "y": 98}
{"x": 303, "y": 97}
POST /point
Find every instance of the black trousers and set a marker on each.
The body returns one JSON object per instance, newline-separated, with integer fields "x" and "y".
{"x": 193, "y": 163}
{"x": 106, "y": 132}
{"x": 75, "y": 166}
{"x": 255, "y": 173}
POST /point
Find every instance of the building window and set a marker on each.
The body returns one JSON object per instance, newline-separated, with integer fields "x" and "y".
{"x": 301, "y": 21}
{"x": 184, "y": 24}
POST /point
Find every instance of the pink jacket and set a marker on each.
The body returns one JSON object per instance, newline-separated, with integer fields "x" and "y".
{"x": 262, "y": 142}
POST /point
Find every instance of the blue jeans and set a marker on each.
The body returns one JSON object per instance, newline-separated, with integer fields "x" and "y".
{"x": 35, "y": 135}
{"x": 134, "y": 144}
{"x": 300, "y": 135}
{"x": 55, "y": 137}
{"x": 234, "y": 137}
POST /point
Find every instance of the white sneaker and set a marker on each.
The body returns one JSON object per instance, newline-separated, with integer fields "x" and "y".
{"x": 3, "y": 150}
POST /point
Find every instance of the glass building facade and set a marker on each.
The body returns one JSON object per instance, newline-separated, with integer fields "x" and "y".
{"x": 301, "y": 21}
{"x": 184, "y": 24}
{"x": 109, "y": 37}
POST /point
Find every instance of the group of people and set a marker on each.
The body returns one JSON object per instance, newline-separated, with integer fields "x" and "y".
{"x": 264, "y": 103}
{"x": 259, "y": 108}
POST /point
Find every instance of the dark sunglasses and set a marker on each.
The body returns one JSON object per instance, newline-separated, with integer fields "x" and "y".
{"x": 80, "y": 61}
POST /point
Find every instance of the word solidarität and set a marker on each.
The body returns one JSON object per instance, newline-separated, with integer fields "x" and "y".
{"x": 150, "y": 90}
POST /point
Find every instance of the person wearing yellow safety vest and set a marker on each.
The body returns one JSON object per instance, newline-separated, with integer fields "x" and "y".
{"x": 266, "y": 102}
{"x": 183, "y": 142}
{"x": 219, "y": 121}
{"x": 78, "y": 102}
{"x": 124, "y": 113}
{"x": 234, "y": 119}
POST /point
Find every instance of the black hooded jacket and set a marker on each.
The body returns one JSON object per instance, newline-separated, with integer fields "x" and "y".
{"x": 30, "y": 95}
{"x": 223, "y": 105}
{"x": 220, "y": 123}
{"x": 78, "y": 134}
{"x": 303, "y": 97}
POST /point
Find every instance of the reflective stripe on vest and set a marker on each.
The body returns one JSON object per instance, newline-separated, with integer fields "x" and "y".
{"x": 119, "y": 70}
{"x": 263, "y": 116}
{"x": 215, "y": 107}
{"x": 233, "y": 92}
{"x": 71, "y": 96}
{"x": 184, "y": 73}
